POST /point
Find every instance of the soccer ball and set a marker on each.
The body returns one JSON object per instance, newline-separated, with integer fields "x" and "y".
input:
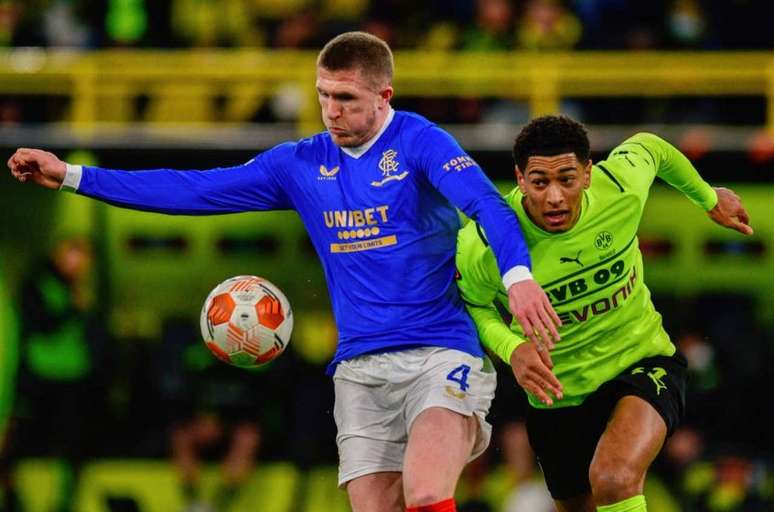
{"x": 246, "y": 321}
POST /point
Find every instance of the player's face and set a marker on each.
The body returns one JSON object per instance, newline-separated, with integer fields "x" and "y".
{"x": 353, "y": 107}
{"x": 553, "y": 190}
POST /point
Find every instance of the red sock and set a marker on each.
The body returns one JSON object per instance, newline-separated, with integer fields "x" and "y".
{"x": 442, "y": 506}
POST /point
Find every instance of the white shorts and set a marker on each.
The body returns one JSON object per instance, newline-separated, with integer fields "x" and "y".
{"x": 378, "y": 396}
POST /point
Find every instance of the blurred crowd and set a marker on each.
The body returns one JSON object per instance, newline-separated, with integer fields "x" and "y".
{"x": 444, "y": 25}
{"x": 477, "y": 25}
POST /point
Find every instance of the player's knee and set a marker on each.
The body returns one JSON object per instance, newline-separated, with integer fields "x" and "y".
{"x": 422, "y": 497}
{"x": 423, "y": 493}
{"x": 612, "y": 482}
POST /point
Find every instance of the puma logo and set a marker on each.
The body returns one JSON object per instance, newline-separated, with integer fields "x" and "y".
{"x": 656, "y": 374}
{"x": 576, "y": 259}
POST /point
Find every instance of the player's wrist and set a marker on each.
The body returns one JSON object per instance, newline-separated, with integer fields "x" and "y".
{"x": 709, "y": 199}
{"x": 515, "y": 275}
{"x": 72, "y": 178}
{"x": 510, "y": 351}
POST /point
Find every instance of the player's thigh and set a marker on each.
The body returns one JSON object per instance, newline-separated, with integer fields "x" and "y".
{"x": 440, "y": 443}
{"x": 457, "y": 381}
{"x": 648, "y": 403}
{"x": 632, "y": 440}
{"x": 446, "y": 414}
{"x": 376, "y": 492}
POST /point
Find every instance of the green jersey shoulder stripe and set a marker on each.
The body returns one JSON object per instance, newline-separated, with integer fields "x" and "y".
{"x": 644, "y": 147}
{"x": 481, "y": 235}
{"x": 612, "y": 178}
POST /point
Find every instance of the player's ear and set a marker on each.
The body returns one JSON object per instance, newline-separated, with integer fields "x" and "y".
{"x": 587, "y": 174}
{"x": 520, "y": 180}
{"x": 386, "y": 93}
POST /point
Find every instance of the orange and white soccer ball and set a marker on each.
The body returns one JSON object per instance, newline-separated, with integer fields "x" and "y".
{"x": 246, "y": 321}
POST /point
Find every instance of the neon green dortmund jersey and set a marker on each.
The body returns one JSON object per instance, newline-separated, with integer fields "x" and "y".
{"x": 592, "y": 273}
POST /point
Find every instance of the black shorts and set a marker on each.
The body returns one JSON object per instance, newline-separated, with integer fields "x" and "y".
{"x": 565, "y": 439}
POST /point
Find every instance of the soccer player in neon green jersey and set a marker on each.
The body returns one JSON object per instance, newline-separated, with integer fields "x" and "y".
{"x": 604, "y": 399}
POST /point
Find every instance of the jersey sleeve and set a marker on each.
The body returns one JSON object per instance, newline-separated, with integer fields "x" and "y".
{"x": 640, "y": 158}
{"x": 259, "y": 184}
{"x": 478, "y": 281}
{"x": 460, "y": 179}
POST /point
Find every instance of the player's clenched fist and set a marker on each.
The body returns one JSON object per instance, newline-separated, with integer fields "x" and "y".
{"x": 37, "y": 166}
{"x": 531, "y": 366}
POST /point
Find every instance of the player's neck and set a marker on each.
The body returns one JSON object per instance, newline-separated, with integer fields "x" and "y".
{"x": 380, "y": 123}
{"x": 386, "y": 118}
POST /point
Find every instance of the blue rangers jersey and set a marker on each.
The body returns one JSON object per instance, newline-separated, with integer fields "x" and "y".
{"x": 381, "y": 218}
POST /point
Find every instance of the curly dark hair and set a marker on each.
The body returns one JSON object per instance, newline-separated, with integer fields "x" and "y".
{"x": 550, "y": 136}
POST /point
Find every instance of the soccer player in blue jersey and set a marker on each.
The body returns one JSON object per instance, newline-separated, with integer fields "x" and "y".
{"x": 376, "y": 192}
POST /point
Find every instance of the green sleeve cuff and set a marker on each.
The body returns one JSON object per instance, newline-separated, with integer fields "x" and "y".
{"x": 707, "y": 198}
{"x": 508, "y": 347}
{"x": 495, "y": 334}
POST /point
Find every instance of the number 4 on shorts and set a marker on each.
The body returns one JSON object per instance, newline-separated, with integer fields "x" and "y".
{"x": 460, "y": 376}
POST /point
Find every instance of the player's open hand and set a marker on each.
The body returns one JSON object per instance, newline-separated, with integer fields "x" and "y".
{"x": 531, "y": 366}
{"x": 729, "y": 212}
{"x": 530, "y": 306}
{"x": 37, "y": 166}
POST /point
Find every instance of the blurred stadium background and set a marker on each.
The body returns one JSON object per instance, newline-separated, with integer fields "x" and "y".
{"x": 203, "y": 83}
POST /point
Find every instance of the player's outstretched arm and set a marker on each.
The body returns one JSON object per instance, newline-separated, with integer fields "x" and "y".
{"x": 464, "y": 183}
{"x": 253, "y": 186}
{"x": 662, "y": 159}
{"x": 37, "y": 166}
{"x": 730, "y": 212}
